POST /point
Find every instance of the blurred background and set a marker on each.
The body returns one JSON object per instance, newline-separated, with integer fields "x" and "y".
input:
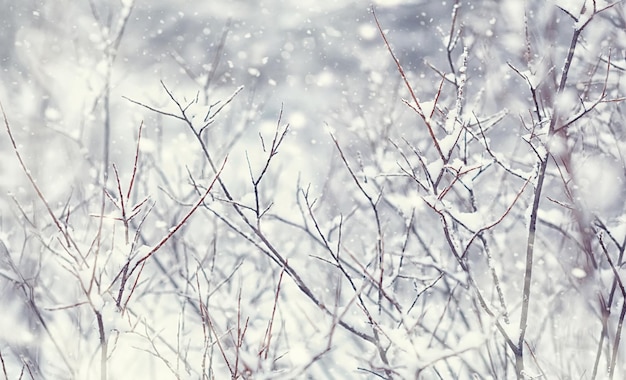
{"x": 77, "y": 79}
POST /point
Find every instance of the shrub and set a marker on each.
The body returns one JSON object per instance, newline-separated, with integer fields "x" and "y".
{"x": 455, "y": 216}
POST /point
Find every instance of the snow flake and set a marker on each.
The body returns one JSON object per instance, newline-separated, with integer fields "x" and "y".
{"x": 254, "y": 71}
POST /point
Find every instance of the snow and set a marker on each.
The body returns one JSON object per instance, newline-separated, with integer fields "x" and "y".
{"x": 579, "y": 273}
{"x": 368, "y": 32}
{"x": 599, "y": 183}
{"x": 447, "y": 143}
{"x": 472, "y": 220}
{"x": 322, "y": 66}
{"x": 254, "y": 72}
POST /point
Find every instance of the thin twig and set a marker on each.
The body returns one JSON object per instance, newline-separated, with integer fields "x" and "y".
{"x": 419, "y": 109}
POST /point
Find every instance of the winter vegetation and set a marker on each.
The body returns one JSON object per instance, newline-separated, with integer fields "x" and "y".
{"x": 313, "y": 189}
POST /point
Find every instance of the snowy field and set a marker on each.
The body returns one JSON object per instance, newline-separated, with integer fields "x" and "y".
{"x": 312, "y": 189}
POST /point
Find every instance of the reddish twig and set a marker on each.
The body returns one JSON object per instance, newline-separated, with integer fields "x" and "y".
{"x": 410, "y": 88}
{"x": 32, "y": 181}
{"x": 142, "y": 262}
